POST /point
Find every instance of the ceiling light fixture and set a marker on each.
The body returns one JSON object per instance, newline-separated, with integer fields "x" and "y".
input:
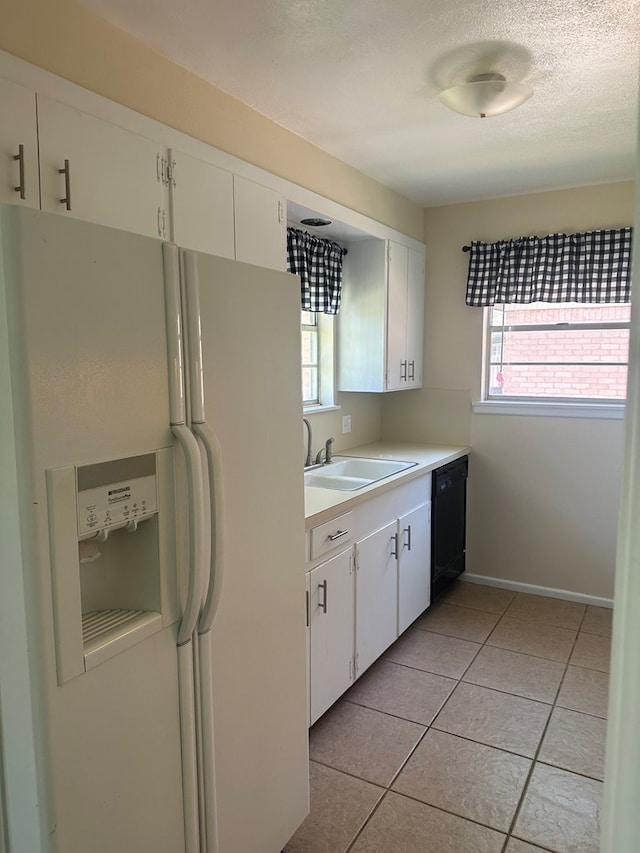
{"x": 315, "y": 222}
{"x": 485, "y": 95}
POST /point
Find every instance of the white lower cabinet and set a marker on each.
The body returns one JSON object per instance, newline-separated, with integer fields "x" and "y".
{"x": 364, "y": 596}
{"x": 376, "y": 594}
{"x": 331, "y": 631}
{"x": 414, "y": 565}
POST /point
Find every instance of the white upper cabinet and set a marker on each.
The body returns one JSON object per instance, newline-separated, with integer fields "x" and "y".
{"x": 97, "y": 171}
{"x": 201, "y": 205}
{"x": 260, "y": 224}
{"x": 397, "y": 304}
{"x": 19, "y": 182}
{"x": 415, "y": 316}
{"x": 381, "y": 320}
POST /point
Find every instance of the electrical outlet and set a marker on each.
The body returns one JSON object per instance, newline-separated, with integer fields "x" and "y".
{"x": 346, "y": 423}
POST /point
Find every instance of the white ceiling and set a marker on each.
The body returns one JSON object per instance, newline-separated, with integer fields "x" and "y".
{"x": 360, "y": 78}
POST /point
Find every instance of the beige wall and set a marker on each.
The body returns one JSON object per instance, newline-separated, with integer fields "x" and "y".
{"x": 543, "y": 493}
{"x": 64, "y": 38}
{"x": 365, "y": 422}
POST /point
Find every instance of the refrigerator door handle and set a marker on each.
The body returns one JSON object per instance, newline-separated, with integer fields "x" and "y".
{"x": 171, "y": 264}
{"x": 206, "y": 436}
{"x": 216, "y": 487}
{"x": 194, "y": 333}
{"x": 195, "y": 586}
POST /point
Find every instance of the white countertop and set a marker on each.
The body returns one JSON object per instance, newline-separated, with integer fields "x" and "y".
{"x": 320, "y": 504}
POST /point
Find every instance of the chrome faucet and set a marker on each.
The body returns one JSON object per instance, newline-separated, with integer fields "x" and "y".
{"x": 328, "y": 452}
{"x": 309, "y": 460}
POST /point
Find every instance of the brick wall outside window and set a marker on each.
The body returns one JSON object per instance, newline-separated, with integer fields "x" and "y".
{"x": 571, "y": 346}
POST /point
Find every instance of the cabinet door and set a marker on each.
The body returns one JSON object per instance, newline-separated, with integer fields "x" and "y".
{"x": 414, "y": 565}
{"x": 331, "y": 618}
{"x": 260, "y": 225}
{"x": 415, "y": 317}
{"x": 201, "y": 205}
{"x": 19, "y": 182}
{"x": 397, "y": 316}
{"x": 112, "y": 177}
{"x": 376, "y": 595}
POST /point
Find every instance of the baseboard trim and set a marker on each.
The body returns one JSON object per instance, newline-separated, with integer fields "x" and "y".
{"x": 534, "y": 589}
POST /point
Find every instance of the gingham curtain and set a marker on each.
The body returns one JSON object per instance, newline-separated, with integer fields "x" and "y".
{"x": 590, "y": 267}
{"x": 319, "y": 265}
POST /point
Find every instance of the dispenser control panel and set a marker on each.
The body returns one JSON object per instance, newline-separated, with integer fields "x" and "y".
{"x": 113, "y": 494}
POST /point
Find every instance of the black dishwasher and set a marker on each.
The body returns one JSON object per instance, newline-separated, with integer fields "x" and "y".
{"x": 448, "y": 522}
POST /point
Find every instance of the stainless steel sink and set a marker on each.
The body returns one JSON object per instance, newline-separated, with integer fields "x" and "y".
{"x": 348, "y": 473}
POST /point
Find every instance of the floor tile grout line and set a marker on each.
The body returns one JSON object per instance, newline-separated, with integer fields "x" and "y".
{"x": 433, "y": 725}
{"x": 535, "y": 760}
{"x": 505, "y": 648}
{"x": 497, "y": 689}
{"x": 366, "y": 821}
{"x": 430, "y": 806}
{"x": 423, "y": 736}
{"x": 552, "y": 706}
{"x": 459, "y": 680}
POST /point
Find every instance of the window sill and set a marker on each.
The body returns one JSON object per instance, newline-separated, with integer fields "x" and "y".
{"x": 611, "y": 411}
{"x": 312, "y": 410}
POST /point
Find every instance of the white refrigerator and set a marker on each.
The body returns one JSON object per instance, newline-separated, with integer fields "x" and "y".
{"x": 152, "y": 618}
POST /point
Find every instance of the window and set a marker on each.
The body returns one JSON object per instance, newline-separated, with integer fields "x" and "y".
{"x": 317, "y": 359}
{"x": 310, "y": 359}
{"x": 558, "y": 352}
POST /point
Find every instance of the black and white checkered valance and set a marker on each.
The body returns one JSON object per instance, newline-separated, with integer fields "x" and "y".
{"x": 590, "y": 267}
{"x": 319, "y": 265}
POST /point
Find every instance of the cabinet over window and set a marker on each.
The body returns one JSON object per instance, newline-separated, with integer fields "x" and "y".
{"x": 381, "y": 321}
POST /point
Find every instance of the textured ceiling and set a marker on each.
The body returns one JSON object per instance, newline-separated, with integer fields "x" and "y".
{"x": 360, "y": 78}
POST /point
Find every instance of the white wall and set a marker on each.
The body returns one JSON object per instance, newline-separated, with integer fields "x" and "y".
{"x": 543, "y": 492}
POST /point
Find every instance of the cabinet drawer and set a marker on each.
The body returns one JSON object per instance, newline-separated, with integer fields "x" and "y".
{"x": 332, "y": 534}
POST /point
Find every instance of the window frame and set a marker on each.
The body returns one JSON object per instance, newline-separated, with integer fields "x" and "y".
{"x": 325, "y": 330}
{"x": 537, "y": 403}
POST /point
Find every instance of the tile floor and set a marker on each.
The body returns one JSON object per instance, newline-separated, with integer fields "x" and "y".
{"x": 481, "y": 730}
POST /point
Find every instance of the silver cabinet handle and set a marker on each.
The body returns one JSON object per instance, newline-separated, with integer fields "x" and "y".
{"x": 394, "y": 539}
{"x": 323, "y": 604}
{"x": 403, "y": 371}
{"x": 407, "y": 530}
{"x": 337, "y": 535}
{"x": 20, "y": 158}
{"x": 67, "y": 184}
{"x": 412, "y": 370}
